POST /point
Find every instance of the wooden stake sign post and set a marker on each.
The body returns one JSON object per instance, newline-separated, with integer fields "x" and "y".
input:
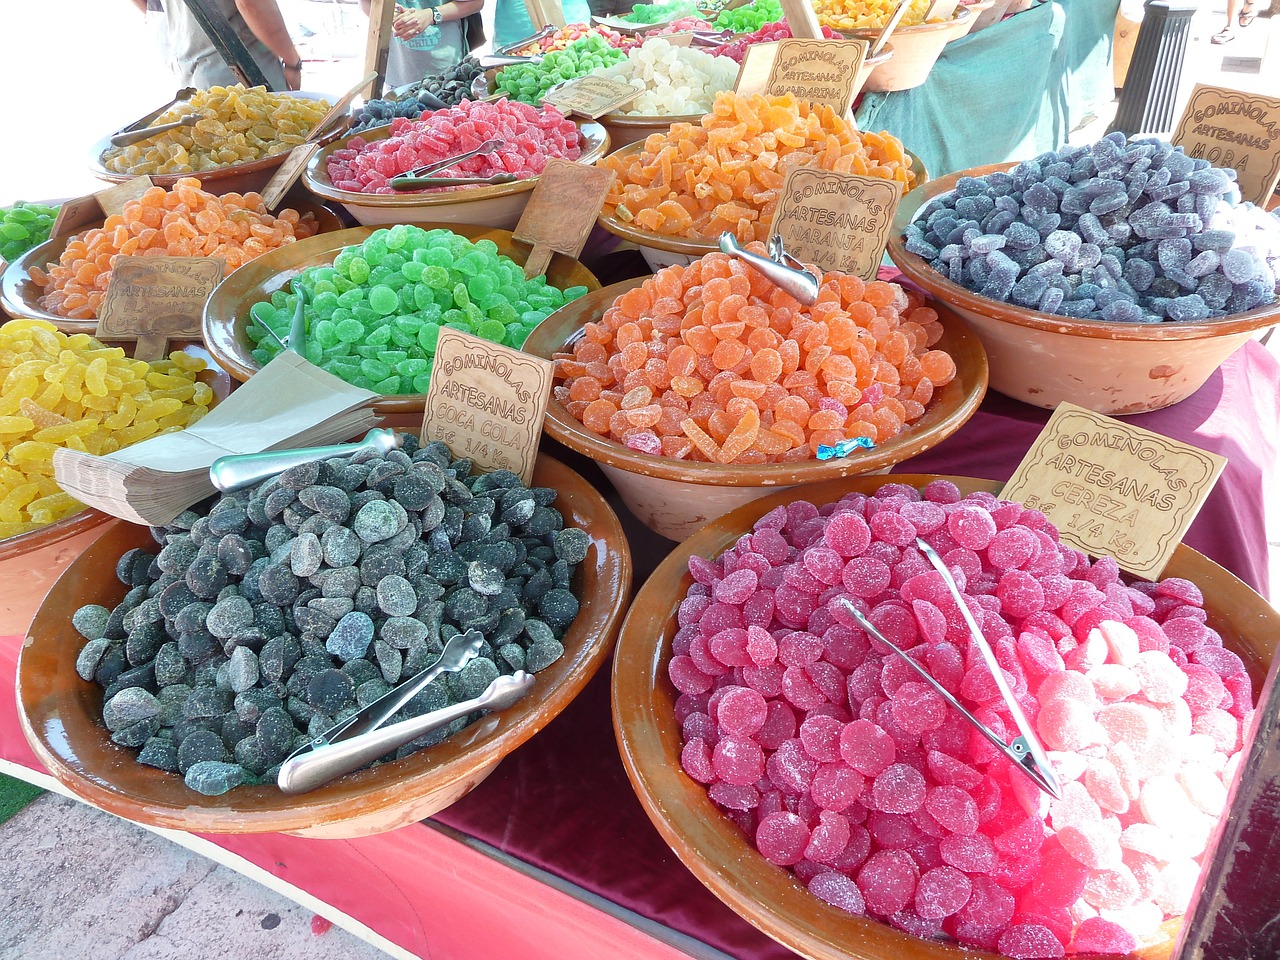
{"x": 487, "y": 402}
{"x": 802, "y": 19}
{"x": 839, "y": 221}
{"x": 561, "y": 211}
{"x": 544, "y": 12}
{"x": 157, "y": 299}
{"x": 1237, "y": 130}
{"x": 591, "y": 97}
{"x": 1113, "y": 489}
{"x": 75, "y": 215}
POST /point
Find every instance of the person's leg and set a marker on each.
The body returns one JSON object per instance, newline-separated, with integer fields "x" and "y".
{"x": 1247, "y": 13}
{"x": 1227, "y": 33}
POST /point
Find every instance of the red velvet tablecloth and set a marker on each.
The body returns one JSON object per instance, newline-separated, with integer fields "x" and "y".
{"x": 562, "y": 803}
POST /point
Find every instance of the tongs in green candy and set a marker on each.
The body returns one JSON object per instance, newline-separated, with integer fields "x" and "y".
{"x": 420, "y": 177}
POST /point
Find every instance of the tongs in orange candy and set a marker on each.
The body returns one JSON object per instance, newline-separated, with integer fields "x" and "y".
{"x": 1024, "y": 750}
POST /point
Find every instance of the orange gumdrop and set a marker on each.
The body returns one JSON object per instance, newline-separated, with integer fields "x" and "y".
{"x": 792, "y": 431}
{"x": 771, "y": 443}
{"x": 635, "y": 302}
{"x": 588, "y": 351}
{"x": 879, "y": 294}
{"x": 789, "y": 351}
{"x": 825, "y": 420}
{"x": 585, "y": 388}
{"x": 716, "y": 289}
{"x": 705, "y": 445}
{"x": 637, "y": 397}
{"x": 628, "y": 334}
{"x": 938, "y": 367}
{"x": 913, "y": 410}
{"x": 644, "y": 417}
{"x": 687, "y": 386}
{"x": 597, "y": 415}
{"x": 720, "y": 424}
{"x": 741, "y": 438}
{"x": 887, "y": 423}
{"x": 728, "y": 353}
{"x": 751, "y": 389}
{"x": 682, "y": 360}
{"x": 794, "y": 409}
{"x": 766, "y": 365}
{"x": 701, "y": 339}
{"x": 633, "y": 356}
{"x": 678, "y": 448}
{"x": 844, "y": 391}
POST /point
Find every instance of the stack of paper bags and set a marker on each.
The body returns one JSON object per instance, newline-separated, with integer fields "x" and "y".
{"x": 289, "y": 403}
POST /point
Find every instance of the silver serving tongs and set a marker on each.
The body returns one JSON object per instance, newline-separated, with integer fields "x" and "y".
{"x": 708, "y": 38}
{"x": 186, "y": 93}
{"x": 1024, "y": 750}
{"x": 420, "y": 177}
{"x": 783, "y": 270}
{"x": 510, "y": 48}
{"x": 237, "y": 471}
{"x": 137, "y": 136}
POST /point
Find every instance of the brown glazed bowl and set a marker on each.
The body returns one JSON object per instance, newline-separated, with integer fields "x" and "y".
{"x": 712, "y": 846}
{"x": 226, "y": 314}
{"x": 1043, "y": 359}
{"x": 917, "y": 49}
{"x": 61, "y": 714}
{"x": 19, "y": 297}
{"x": 676, "y": 497}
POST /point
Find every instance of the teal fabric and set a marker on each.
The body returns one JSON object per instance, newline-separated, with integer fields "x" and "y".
{"x": 1009, "y": 92}
{"x": 511, "y": 19}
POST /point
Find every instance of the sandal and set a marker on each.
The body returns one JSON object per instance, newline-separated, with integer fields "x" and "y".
{"x": 1225, "y": 35}
{"x": 1247, "y": 16}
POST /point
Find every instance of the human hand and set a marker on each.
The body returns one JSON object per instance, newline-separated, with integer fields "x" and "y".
{"x": 410, "y": 23}
{"x": 292, "y": 76}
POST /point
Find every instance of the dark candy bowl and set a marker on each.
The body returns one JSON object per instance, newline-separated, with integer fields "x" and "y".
{"x": 61, "y": 714}
{"x": 712, "y": 846}
{"x": 1043, "y": 359}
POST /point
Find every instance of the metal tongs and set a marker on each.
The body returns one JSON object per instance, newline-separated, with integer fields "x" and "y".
{"x": 712, "y": 38}
{"x": 121, "y": 138}
{"x": 363, "y": 738}
{"x": 420, "y": 177}
{"x": 137, "y": 136}
{"x": 783, "y": 270}
{"x": 237, "y": 471}
{"x": 511, "y": 48}
{"x": 1025, "y": 750}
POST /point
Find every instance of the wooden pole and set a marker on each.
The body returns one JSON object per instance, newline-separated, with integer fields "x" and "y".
{"x": 803, "y": 20}
{"x": 227, "y": 42}
{"x": 381, "y": 14}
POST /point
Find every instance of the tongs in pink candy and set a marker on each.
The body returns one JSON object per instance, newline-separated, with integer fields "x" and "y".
{"x": 420, "y": 177}
{"x": 1024, "y": 750}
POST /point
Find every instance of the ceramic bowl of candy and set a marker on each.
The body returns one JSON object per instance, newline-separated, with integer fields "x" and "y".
{"x": 77, "y": 299}
{"x": 1113, "y": 366}
{"x": 91, "y": 747}
{"x": 916, "y": 50}
{"x": 493, "y": 205}
{"x": 293, "y": 114}
{"x": 43, "y": 530}
{"x": 356, "y": 349}
{"x": 678, "y": 462}
{"x": 888, "y": 827}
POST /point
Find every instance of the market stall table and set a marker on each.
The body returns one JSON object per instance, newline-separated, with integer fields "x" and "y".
{"x": 552, "y": 856}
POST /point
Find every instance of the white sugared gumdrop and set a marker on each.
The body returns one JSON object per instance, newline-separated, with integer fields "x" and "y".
{"x": 1068, "y": 765}
{"x": 1177, "y": 883}
{"x": 1160, "y": 677}
{"x": 1177, "y": 720}
{"x": 1092, "y": 653}
{"x": 1230, "y": 768}
{"x": 1130, "y": 723}
{"x": 1111, "y": 889}
{"x": 1198, "y": 748}
{"x": 1165, "y": 804}
{"x": 1113, "y": 681}
{"x": 1105, "y": 787}
{"x": 1068, "y": 725}
{"x": 1143, "y": 919}
{"x": 1122, "y": 642}
{"x": 1075, "y": 806}
{"x": 1160, "y": 756}
{"x": 1144, "y": 838}
{"x": 1120, "y": 755}
{"x": 1093, "y": 844}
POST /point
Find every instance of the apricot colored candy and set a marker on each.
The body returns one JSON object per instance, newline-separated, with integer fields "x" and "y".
{"x": 706, "y": 362}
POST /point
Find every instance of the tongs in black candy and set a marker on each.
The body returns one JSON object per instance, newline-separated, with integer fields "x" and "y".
{"x": 1024, "y": 750}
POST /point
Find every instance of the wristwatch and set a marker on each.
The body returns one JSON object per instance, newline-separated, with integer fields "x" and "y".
{"x": 436, "y": 16}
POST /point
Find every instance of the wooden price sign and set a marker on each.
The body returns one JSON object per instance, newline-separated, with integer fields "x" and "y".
{"x": 487, "y": 402}
{"x": 545, "y": 13}
{"x": 1237, "y": 130}
{"x": 839, "y": 221}
{"x": 591, "y": 97}
{"x": 819, "y": 71}
{"x": 75, "y": 215}
{"x": 561, "y": 211}
{"x": 1113, "y": 489}
{"x": 157, "y": 299}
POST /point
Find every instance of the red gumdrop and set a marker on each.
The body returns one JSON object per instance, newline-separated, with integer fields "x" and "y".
{"x": 823, "y": 563}
{"x": 847, "y": 533}
{"x": 766, "y": 679}
{"x": 738, "y": 760}
{"x": 836, "y": 786}
{"x": 1220, "y": 660}
{"x": 1062, "y": 879}
{"x": 704, "y": 570}
{"x": 1096, "y": 935}
{"x": 1030, "y": 941}
{"x": 892, "y": 528}
{"x": 790, "y": 768}
{"x": 734, "y": 796}
{"x": 737, "y": 587}
{"x": 1020, "y": 594}
{"x": 700, "y": 725}
{"x": 866, "y": 577}
{"x": 782, "y": 837}
{"x": 918, "y": 707}
{"x": 793, "y": 607}
{"x": 691, "y": 608}
{"x": 689, "y": 703}
{"x": 686, "y": 677}
{"x": 839, "y": 891}
{"x": 762, "y": 648}
{"x": 758, "y": 609}
{"x": 820, "y": 737}
{"x": 771, "y": 545}
{"x": 798, "y": 578}
{"x": 828, "y": 837}
{"x": 717, "y": 617}
{"x": 927, "y": 586}
{"x": 1205, "y": 688}
{"x": 799, "y": 648}
{"x": 695, "y": 759}
{"x": 741, "y": 712}
{"x": 896, "y": 622}
{"x": 800, "y": 690}
{"x": 779, "y": 725}
{"x": 949, "y": 771}
{"x": 941, "y": 892}
{"x": 844, "y": 648}
{"x": 730, "y": 647}
{"x": 931, "y": 621}
{"x": 1038, "y": 654}
{"x": 941, "y": 491}
{"x": 1240, "y": 690}
{"x": 924, "y": 515}
{"x": 894, "y": 831}
{"x": 866, "y": 747}
{"x": 1024, "y": 839}
{"x": 899, "y": 788}
{"x": 1179, "y": 589}
{"x": 972, "y": 853}
{"x": 971, "y": 526}
{"x": 830, "y": 679}
{"x": 953, "y": 809}
{"x": 887, "y": 881}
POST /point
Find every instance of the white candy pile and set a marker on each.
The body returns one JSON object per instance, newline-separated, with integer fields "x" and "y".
{"x": 677, "y": 81}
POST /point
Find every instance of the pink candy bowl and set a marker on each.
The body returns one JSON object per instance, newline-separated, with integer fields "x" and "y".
{"x": 676, "y": 497}
{"x": 712, "y": 846}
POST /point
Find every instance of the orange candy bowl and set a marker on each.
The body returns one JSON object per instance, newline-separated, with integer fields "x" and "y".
{"x": 674, "y": 497}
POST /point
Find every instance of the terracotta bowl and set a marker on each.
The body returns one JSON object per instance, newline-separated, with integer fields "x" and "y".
{"x": 236, "y": 178}
{"x": 1042, "y": 359}
{"x": 711, "y": 846}
{"x": 31, "y": 562}
{"x": 62, "y": 718}
{"x": 226, "y": 314}
{"x": 663, "y": 251}
{"x": 676, "y": 497}
{"x": 19, "y": 297}
{"x": 493, "y": 206}
{"x": 916, "y": 50}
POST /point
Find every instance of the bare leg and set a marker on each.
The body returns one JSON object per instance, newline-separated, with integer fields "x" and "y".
{"x": 1227, "y": 33}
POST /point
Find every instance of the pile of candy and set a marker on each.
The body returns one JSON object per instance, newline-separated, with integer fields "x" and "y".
{"x": 451, "y": 88}
{"x": 576, "y": 31}
{"x": 677, "y": 81}
{"x": 287, "y": 607}
{"x": 374, "y": 315}
{"x": 182, "y": 222}
{"x": 751, "y": 17}
{"x": 529, "y": 135}
{"x": 726, "y": 172}
{"x": 1130, "y": 232}
{"x": 736, "y": 50}
{"x": 529, "y": 82}
{"x": 846, "y": 15}
{"x": 660, "y": 12}
{"x": 237, "y": 125}
{"x": 23, "y": 226}
{"x": 71, "y": 391}
{"x": 682, "y": 25}
{"x": 712, "y": 362}
{"x": 846, "y": 768}
{"x": 185, "y": 221}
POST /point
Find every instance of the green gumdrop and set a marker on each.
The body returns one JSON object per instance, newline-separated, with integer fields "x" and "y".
{"x": 412, "y": 367}
{"x": 436, "y": 277}
{"x": 515, "y": 334}
{"x": 428, "y": 335}
{"x": 342, "y": 262}
{"x": 325, "y": 333}
{"x": 421, "y": 382}
{"x": 460, "y": 295}
{"x": 280, "y": 299}
{"x": 384, "y": 300}
{"x": 350, "y": 331}
{"x": 404, "y": 338}
{"x": 412, "y": 270}
{"x": 388, "y": 386}
{"x": 397, "y": 236}
{"x": 363, "y": 382}
{"x": 349, "y": 298}
{"x": 392, "y": 357}
{"x": 453, "y": 318}
{"x": 365, "y": 313}
{"x": 374, "y": 369}
{"x": 491, "y": 330}
{"x": 324, "y": 304}
{"x": 438, "y": 256}
{"x": 323, "y": 286}
{"x": 481, "y": 286}
{"x": 358, "y": 270}
{"x": 487, "y": 247}
{"x": 262, "y": 355}
{"x": 502, "y": 312}
{"x": 314, "y": 352}
{"x": 379, "y": 336}
{"x": 573, "y": 293}
{"x": 375, "y": 248}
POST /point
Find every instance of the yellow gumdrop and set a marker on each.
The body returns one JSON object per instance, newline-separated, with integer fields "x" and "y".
{"x": 95, "y": 377}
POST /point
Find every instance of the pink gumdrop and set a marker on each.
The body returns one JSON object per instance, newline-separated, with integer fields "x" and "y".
{"x": 988, "y": 912}
{"x": 899, "y": 788}
{"x": 1112, "y": 681}
{"x": 941, "y": 491}
{"x": 1159, "y": 678}
{"x": 741, "y": 712}
{"x": 1091, "y": 843}
{"x": 866, "y": 747}
{"x": 1133, "y": 724}
{"x": 1030, "y": 941}
{"x": 1075, "y": 806}
{"x": 700, "y": 725}
{"x": 799, "y": 648}
{"x": 1023, "y": 839}
{"x": 1038, "y": 654}
{"x": 793, "y": 607}
{"x": 865, "y": 577}
{"x": 1205, "y": 689}
{"x": 918, "y": 707}
{"x": 1068, "y": 685}
{"x": 1105, "y": 786}
{"x": 737, "y": 587}
{"x": 790, "y": 768}
{"x": 847, "y": 534}
{"x": 734, "y": 796}
{"x": 823, "y": 563}
{"x": 828, "y": 838}
{"x": 1062, "y": 877}
{"x": 1179, "y": 589}
{"x": 695, "y": 759}
{"x": 1111, "y": 889}
{"x": 771, "y": 545}
{"x": 686, "y": 677}
{"x": 953, "y": 809}
{"x": 930, "y": 620}
{"x": 691, "y": 608}
{"x": 1098, "y": 935}
{"x": 888, "y": 881}
{"x": 946, "y": 769}
{"x": 941, "y": 892}
{"x": 892, "y": 528}
{"x": 839, "y": 891}
{"x": 1068, "y": 725}
{"x": 800, "y": 690}
{"x": 766, "y": 679}
{"x": 761, "y": 647}
{"x": 1011, "y": 547}
{"x": 820, "y": 737}
{"x": 781, "y": 838}
{"x": 924, "y": 515}
{"x": 779, "y": 725}
{"x": 971, "y": 527}
{"x": 738, "y": 760}
{"x": 894, "y": 831}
